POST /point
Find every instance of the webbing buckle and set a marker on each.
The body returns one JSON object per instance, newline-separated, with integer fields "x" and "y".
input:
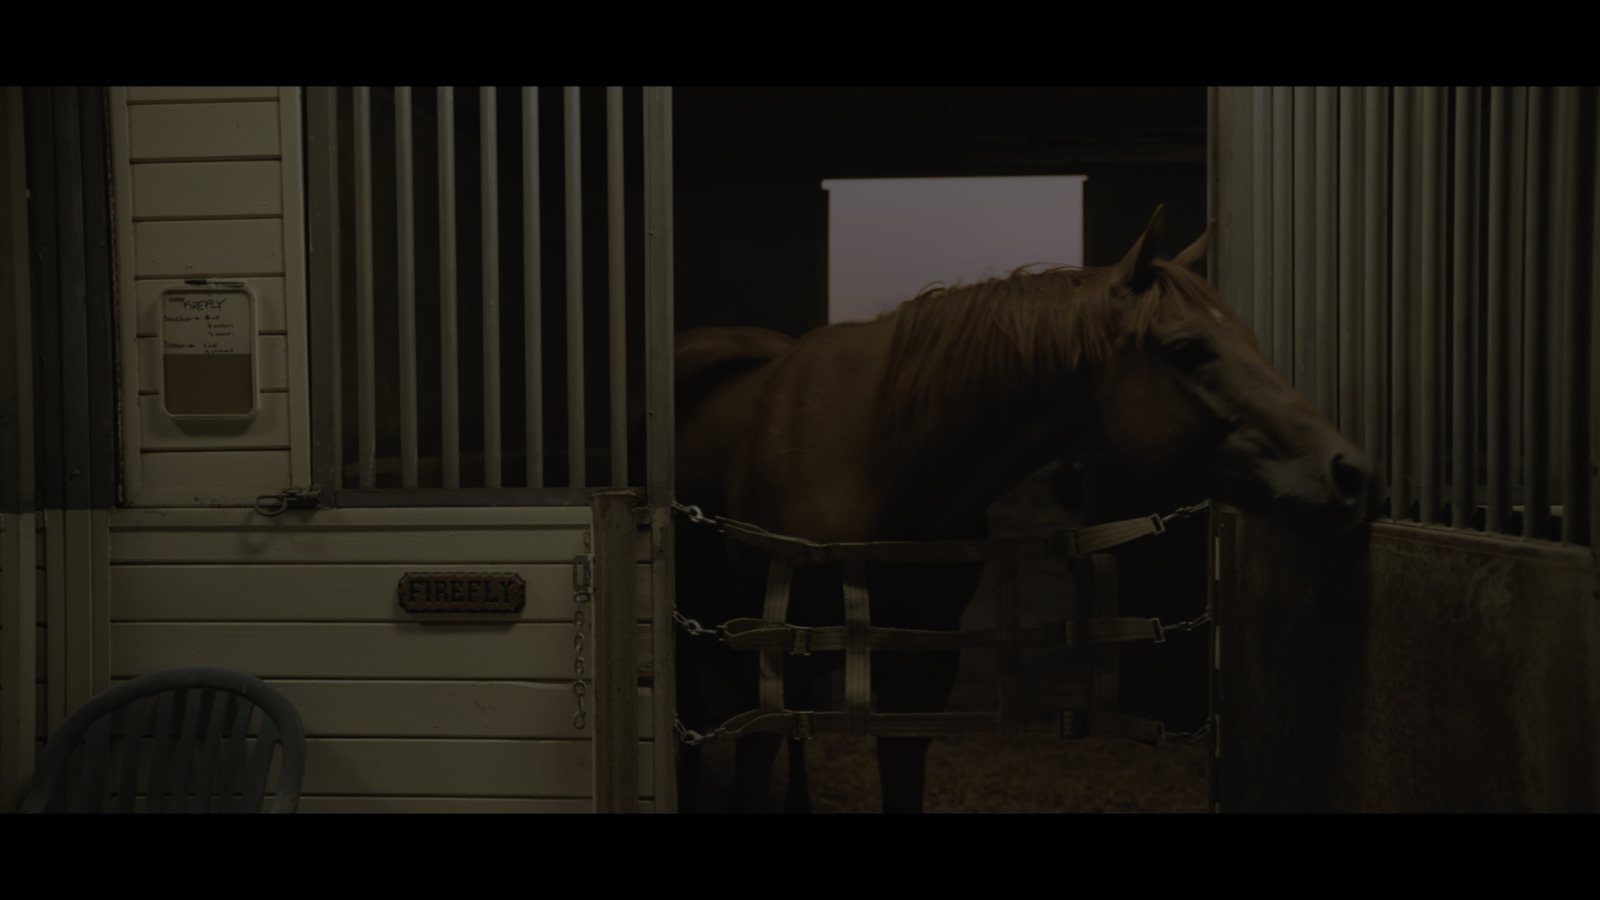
{"x": 802, "y": 641}
{"x": 801, "y": 730}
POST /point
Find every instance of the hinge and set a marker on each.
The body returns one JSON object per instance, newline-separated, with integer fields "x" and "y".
{"x": 291, "y": 498}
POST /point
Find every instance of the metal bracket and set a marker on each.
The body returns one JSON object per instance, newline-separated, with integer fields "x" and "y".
{"x": 582, "y": 575}
{"x": 290, "y": 498}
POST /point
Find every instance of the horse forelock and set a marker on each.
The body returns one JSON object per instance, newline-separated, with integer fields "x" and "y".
{"x": 985, "y": 342}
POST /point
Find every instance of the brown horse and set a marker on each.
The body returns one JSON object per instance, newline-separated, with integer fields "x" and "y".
{"x": 909, "y": 426}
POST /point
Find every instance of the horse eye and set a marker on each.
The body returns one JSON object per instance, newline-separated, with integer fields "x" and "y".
{"x": 1188, "y": 353}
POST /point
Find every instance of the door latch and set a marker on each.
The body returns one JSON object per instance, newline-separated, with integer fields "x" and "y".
{"x": 293, "y": 498}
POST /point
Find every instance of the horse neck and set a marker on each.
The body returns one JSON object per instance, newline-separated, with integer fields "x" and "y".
{"x": 951, "y": 465}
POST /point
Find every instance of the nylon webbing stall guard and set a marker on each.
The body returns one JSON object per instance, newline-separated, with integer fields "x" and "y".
{"x": 774, "y": 637}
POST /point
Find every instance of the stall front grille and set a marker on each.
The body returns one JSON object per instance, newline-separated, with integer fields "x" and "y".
{"x": 1419, "y": 262}
{"x": 479, "y": 292}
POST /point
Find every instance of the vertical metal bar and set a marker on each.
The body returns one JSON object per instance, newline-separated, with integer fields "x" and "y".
{"x": 322, "y": 252}
{"x": 1430, "y": 252}
{"x": 1574, "y": 414}
{"x": 1349, "y": 254}
{"x": 406, "y": 228}
{"x": 489, "y": 189}
{"x": 1497, "y": 333}
{"x": 1535, "y": 318}
{"x": 1263, "y": 264}
{"x": 1374, "y": 278}
{"x": 1283, "y": 162}
{"x": 576, "y": 444}
{"x": 1305, "y": 242}
{"x": 658, "y": 339}
{"x": 366, "y": 359}
{"x": 449, "y": 370}
{"x": 1464, "y": 311}
{"x": 1325, "y": 342}
{"x": 1593, "y": 164}
{"x": 532, "y": 290}
{"x": 1400, "y": 300}
{"x": 1518, "y": 205}
{"x": 619, "y": 306}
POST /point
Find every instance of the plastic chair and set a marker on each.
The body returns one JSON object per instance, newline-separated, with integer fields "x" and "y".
{"x": 202, "y": 716}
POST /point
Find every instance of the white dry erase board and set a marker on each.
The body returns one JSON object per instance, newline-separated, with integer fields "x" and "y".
{"x": 208, "y": 351}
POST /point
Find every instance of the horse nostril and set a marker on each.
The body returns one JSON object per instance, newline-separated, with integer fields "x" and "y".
{"x": 1348, "y": 480}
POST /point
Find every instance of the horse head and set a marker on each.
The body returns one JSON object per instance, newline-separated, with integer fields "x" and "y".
{"x": 1187, "y": 399}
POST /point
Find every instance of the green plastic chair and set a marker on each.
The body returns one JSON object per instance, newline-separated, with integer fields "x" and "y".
{"x": 202, "y": 717}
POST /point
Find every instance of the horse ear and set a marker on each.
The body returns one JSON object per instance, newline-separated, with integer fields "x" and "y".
{"x": 1194, "y": 255}
{"x": 1137, "y": 270}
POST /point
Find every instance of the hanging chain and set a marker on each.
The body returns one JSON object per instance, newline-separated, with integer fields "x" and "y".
{"x": 580, "y": 596}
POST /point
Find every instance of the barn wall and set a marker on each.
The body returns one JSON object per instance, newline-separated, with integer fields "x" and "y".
{"x": 403, "y": 712}
{"x": 208, "y": 186}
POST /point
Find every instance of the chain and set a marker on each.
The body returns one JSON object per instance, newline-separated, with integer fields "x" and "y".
{"x": 1198, "y": 622}
{"x": 1186, "y": 511}
{"x": 580, "y": 596}
{"x": 1190, "y": 737}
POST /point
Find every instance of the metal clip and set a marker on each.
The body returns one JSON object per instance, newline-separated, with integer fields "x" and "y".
{"x": 694, "y": 513}
{"x": 690, "y": 625}
{"x": 289, "y": 498}
{"x": 1161, "y": 637}
{"x": 802, "y": 727}
{"x": 802, "y": 641}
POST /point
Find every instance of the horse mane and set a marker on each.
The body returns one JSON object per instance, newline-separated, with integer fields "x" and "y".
{"x": 967, "y": 346}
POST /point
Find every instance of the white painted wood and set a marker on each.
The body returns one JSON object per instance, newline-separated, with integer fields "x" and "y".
{"x": 203, "y": 130}
{"x": 193, "y": 93}
{"x": 440, "y": 709}
{"x": 532, "y": 651}
{"x": 272, "y": 357}
{"x": 270, "y": 293}
{"x": 75, "y": 574}
{"x": 558, "y": 517}
{"x": 417, "y": 547}
{"x": 208, "y": 249}
{"x": 294, "y": 268}
{"x": 207, "y": 189}
{"x": 206, "y": 472}
{"x": 330, "y": 593}
{"x": 443, "y": 767}
{"x": 130, "y": 423}
{"x": 20, "y": 704}
{"x": 267, "y": 430}
{"x": 100, "y": 578}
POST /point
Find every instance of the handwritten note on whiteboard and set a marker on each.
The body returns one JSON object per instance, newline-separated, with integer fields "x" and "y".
{"x": 208, "y": 341}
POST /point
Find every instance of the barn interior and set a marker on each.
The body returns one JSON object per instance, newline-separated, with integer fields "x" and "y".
{"x": 752, "y": 249}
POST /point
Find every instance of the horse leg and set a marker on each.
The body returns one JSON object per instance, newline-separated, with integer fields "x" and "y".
{"x": 909, "y": 682}
{"x": 797, "y": 799}
{"x": 754, "y": 755}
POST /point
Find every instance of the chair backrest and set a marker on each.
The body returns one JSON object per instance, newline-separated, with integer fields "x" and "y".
{"x": 196, "y": 747}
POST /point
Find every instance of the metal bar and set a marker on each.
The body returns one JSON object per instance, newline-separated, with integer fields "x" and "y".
{"x": 1325, "y": 338}
{"x": 18, "y": 570}
{"x": 1261, "y": 216}
{"x": 619, "y": 305}
{"x": 406, "y": 234}
{"x": 1573, "y": 414}
{"x": 366, "y": 356}
{"x": 1535, "y": 322}
{"x": 1283, "y": 162}
{"x": 1497, "y": 334}
{"x": 1375, "y": 276}
{"x": 1464, "y": 310}
{"x": 576, "y": 445}
{"x": 532, "y": 291}
{"x": 1305, "y": 243}
{"x": 1592, "y": 162}
{"x": 1349, "y": 256}
{"x": 1430, "y": 252}
{"x": 658, "y": 341}
{"x": 449, "y": 365}
{"x": 616, "y": 656}
{"x": 1519, "y": 206}
{"x": 489, "y": 187}
{"x": 101, "y": 322}
{"x": 322, "y": 252}
{"x": 1400, "y": 300}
